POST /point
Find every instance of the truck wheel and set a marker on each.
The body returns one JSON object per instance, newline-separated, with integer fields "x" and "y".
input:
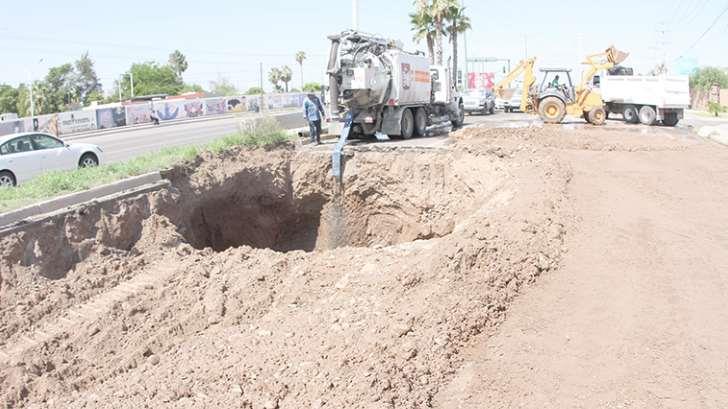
{"x": 552, "y": 110}
{"x": 630, "y": 114}
{"x": 647, "y": 115}
{"x": 420, "y": 122}
{"x": 408, "y": 124}
{"x": 597, "y": 116}
{"x": 671, "y": 119}
{"x": 460, "y": 120}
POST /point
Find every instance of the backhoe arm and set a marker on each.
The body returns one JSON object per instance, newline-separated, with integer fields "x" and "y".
{"x": 525, "y": 67}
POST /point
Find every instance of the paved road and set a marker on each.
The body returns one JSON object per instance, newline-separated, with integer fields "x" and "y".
{"x": 128, "y": 143}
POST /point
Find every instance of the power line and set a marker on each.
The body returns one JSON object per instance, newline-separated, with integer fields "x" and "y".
{"x": 725, "y": 10}
{"x": 137, "y": 46}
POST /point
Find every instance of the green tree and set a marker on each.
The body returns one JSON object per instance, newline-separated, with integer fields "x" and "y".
{"x": 8, "y": 99}
{"x": 312, "y": 87}
{"x": 274, "y": 76}
{"x": 178, "y": 62}
{"x": 223, "y": 88}
{"x": 151, "y": 78}
{"x": 300, "y": 58}
{"x": 424, "y": 28}
{"x": 704, "y": 78}
{"x": 254, "y": 91}
{"x": 458, "y": 23}
{"x": 88, "y": 87}
{"x": 286, "y": 75}
{"x": 58, "y": 91}
{"x": 23, "y": 102}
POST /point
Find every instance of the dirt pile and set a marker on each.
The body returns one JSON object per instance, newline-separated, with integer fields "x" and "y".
{"x": 255, "y": 282}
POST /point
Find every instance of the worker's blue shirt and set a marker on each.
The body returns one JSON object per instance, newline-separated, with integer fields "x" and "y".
{"x": 311, "y": 110}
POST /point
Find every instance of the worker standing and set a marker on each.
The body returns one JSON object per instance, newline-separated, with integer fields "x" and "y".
{"x": 313, "y": 112}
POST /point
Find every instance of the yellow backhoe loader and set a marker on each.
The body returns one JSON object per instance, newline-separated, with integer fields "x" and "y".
{"x": 558, "y": 96}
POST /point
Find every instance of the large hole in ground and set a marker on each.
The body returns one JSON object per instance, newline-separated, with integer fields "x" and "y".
{"x": 387, "y": 198}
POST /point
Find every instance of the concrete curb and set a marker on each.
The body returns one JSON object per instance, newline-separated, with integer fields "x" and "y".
{"x": 47, "y": 208}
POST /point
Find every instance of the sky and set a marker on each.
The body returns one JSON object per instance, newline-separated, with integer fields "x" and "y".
{"x": 230, "y": 38}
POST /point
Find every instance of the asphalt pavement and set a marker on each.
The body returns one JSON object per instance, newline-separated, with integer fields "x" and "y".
{"x": 125, "y": 144}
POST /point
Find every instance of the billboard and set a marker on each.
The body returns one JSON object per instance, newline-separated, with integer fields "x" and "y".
{"x": 110, "y": 117}
{"x": 169, "y": 110}
{"x": 76, "y": 121}
{"x": 481, "y": 80}
{"x": 138, "y": 114}
{"x": 215, "y": 106}
{"x": 14, "y": 126}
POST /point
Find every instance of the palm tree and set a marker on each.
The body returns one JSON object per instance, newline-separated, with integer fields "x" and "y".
{"x": 286, "y": 75}
{"x": 424, "y": 28}
{"x": 300, "y": 57}
{"x": 458, "y": 24}
{"x": 274, "y": 76}
{"x": 430, "y": 17}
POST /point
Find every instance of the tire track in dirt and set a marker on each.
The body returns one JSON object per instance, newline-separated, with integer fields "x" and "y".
{"x": 88, "y": 312}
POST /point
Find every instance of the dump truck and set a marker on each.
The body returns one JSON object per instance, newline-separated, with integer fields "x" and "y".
{"x": 388, "y": 91}
{"x": 646, "y": 99}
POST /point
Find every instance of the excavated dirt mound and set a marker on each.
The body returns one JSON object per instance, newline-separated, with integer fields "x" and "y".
{"x": 256, "y": 281}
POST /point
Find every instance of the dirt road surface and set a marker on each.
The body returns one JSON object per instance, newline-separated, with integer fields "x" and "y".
{"x": 535, "y": 267}
{"x": 635, "y": 317}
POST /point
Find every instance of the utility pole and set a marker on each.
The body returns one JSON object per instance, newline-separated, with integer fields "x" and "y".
{"x": 121, "y": 78}
{"x": 355, "y": 14}
{"x": 30, "y": 87}
{"x": 131, "y": 80}
{"x": 261, "y": 76}
{"x": 465, "y": 53}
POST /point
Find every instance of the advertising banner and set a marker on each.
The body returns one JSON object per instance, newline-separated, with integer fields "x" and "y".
{"x": 236, "y": 104}
{"x": 194, "y": 109}
{"x": 215, "y": 106}
{"x": 43, "y": 123}
{"x": 14, "y": 126}
{"x": 110, "y": 117}
{"x": 481, "y": 80}
{"x": 76, "y": 121}
{"x": 170, "y": 110}
{"x": 138, "y": 114}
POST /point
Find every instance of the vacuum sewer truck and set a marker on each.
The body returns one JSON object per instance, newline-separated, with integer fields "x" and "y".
{"x": 386, "y": 91}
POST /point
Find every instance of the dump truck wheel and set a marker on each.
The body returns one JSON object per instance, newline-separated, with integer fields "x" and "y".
{"x": 552, "y": 110}
{"x": 631, "y": 116}
{"x": 460, "y": 120}
{"x": 408, "y": 124}
{"x": 647, "y": 115}
{"x": 420, "y": 122}
{"x": 597, "y": 116}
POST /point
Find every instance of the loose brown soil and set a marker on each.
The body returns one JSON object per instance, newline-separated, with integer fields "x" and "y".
{"x": 255, "y": 281}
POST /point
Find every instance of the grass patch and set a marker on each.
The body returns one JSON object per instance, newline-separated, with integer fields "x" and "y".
{"x": 260, "y": 133}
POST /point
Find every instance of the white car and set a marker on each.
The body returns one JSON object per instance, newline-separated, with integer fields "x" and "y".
{"x": 24, "y": 156}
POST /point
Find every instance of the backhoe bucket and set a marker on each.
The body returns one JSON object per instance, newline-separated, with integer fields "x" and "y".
{"x": 615, "y": 56}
